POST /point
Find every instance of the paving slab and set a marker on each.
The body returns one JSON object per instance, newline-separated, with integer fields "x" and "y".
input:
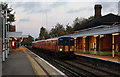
{"x": 17, "y": 64}
{"x": 23, "y": 62}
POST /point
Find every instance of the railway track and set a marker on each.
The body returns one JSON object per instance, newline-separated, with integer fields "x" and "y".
{"x": 113, "y": 69}
{"x": 77, "y": 67}
{"x": 104, "y": 71}
{"x": 51, "y": 59}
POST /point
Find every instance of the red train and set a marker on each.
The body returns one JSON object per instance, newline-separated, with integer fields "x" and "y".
{"x": 62, "y": 46}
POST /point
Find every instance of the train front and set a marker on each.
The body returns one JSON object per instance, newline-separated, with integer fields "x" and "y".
{"x": 66, "y": 46}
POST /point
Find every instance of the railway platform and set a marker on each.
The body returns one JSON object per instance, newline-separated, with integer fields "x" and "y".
{"x": 116, "y": 59}
{"x": 23, "y": 62}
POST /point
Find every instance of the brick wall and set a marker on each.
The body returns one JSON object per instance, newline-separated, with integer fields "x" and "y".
{"x": 106, "y": 42}
{"x": 92, "y": 43}
{"x": 79, "y": 43}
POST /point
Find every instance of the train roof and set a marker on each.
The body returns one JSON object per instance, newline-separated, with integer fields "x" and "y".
{"x": 53, "y": 39}
{"x": 34, "y": 41}
{"x": 45, "y": 40}
{"x": 65, "y": 37}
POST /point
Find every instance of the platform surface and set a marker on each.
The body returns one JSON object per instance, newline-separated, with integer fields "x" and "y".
{"x": 22, "y": 61}
{"x": 109, "y": 58}
{"x": 17, "y": 64}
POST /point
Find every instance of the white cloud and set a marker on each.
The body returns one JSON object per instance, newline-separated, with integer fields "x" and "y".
{"x": 35, "y": 14}
{"x": 60, "y": 0}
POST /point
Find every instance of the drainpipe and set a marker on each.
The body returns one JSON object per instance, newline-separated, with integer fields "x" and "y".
{"x": 94, "y": 45}
{"x": 113, "y": 46}
{"x": 99, "y": 44}
{"x": 84, "y": 43}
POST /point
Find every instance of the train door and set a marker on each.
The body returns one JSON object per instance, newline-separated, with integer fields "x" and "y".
{"x": 66, "y": 45}
{"x": 71, "y": 45}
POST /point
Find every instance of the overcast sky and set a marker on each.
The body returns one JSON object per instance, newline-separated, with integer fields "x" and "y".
{"x": 31, "y": 16}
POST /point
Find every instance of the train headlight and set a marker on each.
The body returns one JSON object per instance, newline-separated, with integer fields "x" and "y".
{"x": 60, "y": 49}
{"x": 71, "y": 49}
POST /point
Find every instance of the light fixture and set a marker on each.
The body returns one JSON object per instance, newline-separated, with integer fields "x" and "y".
{"x": 115, "y": 34}
{"x": 95, "y": 35}
{"x": 84, "y": 36}
{"x": 15, "y": 38}
{"x": 101, "y": 36}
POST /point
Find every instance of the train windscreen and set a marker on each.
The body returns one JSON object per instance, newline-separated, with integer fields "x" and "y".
{"x": 60, "y": 42}
{"x": 71, "y": 42}
{"x": 66, "y": 42}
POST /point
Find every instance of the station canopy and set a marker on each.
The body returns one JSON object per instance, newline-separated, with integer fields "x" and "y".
{"x": 16, "y": 34}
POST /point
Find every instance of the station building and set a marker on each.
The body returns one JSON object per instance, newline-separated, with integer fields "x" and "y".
{"x": 8, "y": 35}
{"x": 16, "y": 39}
{"x": 100, "y": 36}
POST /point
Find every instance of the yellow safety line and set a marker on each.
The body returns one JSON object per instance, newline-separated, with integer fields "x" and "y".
{"x": 37, "y": 69}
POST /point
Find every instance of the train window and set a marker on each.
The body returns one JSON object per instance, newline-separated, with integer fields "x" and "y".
{"x": 71, "y": 42}
{"x": 60, "y": 42}
{"x": 66, "y": 42}
{"x": 53, "y": 43}
{"x": 49, "y": 43}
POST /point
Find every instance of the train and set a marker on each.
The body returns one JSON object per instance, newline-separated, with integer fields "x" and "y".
{"x": 62, "y": 46}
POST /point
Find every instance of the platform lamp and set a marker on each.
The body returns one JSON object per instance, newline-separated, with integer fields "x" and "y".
{"x": 3, "y": 35}
{"x": 10, "y": 19}
{"x": 6, "y": 36}
{"x": 8, "y": 22}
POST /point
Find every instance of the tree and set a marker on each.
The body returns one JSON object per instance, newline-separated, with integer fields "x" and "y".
{"x": 29, "y": 40}
{"x": 77, "y": 22}
{"x": 53, "y": 33}
{"x": 90, "y": 18}
{"x": 59, "y": 30}
{"x": 69, "y": 29}
{"x": 43, "y": 34}
{"x": 36, "y": 39}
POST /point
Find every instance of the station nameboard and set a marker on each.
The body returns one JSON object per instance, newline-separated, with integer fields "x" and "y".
{"x": 12, "y": 28}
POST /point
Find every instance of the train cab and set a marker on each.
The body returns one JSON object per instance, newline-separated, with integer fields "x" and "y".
{"x": 66, "y": 45}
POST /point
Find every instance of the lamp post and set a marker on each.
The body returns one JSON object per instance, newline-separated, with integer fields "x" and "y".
{"x": 5, "y": 12}
{"x": 3, "y": 35}
{"x": 6, "y": 36}
{"x": 8, "y": 27}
